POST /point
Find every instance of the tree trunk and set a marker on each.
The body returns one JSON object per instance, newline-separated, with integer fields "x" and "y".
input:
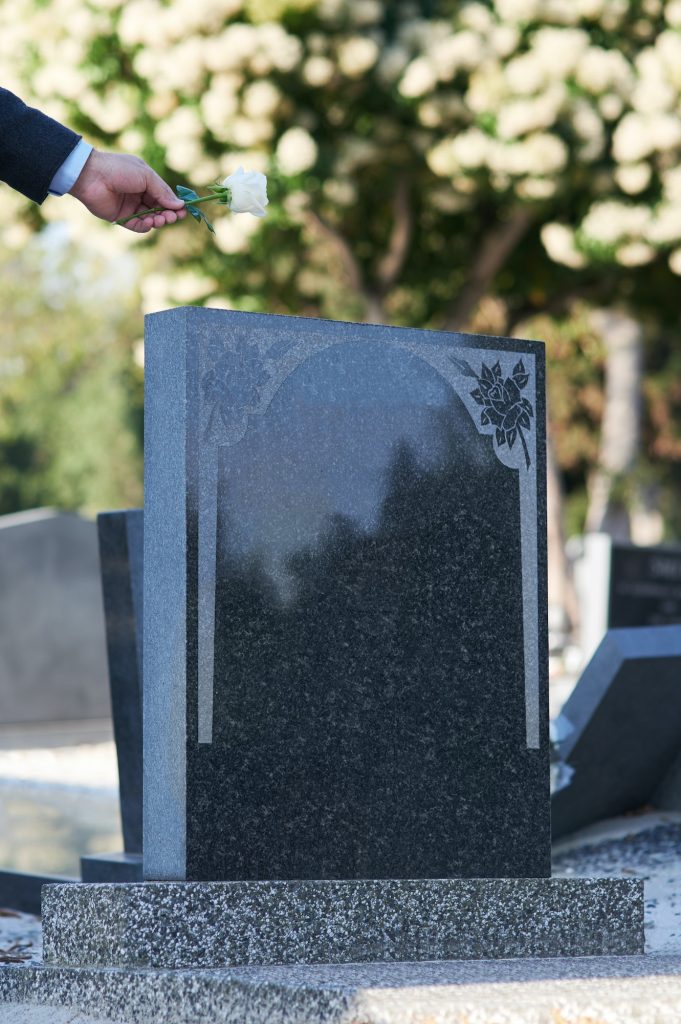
{"x": 490, "y": 257}
{"x": 562, "y": 596}
{"x": 621, "y": 426}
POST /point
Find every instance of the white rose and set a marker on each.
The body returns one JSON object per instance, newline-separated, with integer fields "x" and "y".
{"x": 249, "y": 192}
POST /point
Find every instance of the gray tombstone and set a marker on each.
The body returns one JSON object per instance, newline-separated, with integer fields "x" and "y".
{"x": 623, "y": 723}
{"x": 52, "y": 649}
{"x": 121, "y": 559}
{"x": 344, "y": 660}
{"x": 622, "y": 585}
{"x": 345, "y": 685}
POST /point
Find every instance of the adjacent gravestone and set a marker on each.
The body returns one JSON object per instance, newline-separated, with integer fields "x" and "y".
{"x": 344, "y": 664}
{"x": 121, "y": 558}
{"x": 52, "y": 653}
{"x": 623, "y": 723}
{"x": 622, "y": 585}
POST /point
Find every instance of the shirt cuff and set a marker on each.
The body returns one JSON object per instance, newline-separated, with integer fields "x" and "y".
{"x": 68, "y": 173}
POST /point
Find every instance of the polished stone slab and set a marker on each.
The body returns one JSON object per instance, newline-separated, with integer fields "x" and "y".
{"x": 121, "y": 553}
{"x": 345, "y": 670}
{"x": 622, "y": 730}
{"x": 219, "y": 924}
{"x": 111, "y": 867}
{"x": 52, "y": 663}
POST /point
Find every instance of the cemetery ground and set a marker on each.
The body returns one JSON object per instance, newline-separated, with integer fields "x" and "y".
{"x": 586, "y": 990}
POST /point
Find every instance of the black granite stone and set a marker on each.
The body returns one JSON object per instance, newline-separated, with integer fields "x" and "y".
{"x": 121, "y": 559}
{"x": 645, "y": 586}
{"x": 345, "y": 594}
{"x": 625, "y": 720}
{"x": 111, "y": 867}
{"x": 180, "y": 925}
{"x": 21, "y": 890}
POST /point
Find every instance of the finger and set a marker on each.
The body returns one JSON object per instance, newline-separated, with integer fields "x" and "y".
{"x": 159, "y": 193}
{"x": 140, "y": 225}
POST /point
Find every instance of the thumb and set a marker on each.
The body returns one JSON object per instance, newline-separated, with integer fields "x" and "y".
{"x": 162, "y": 193}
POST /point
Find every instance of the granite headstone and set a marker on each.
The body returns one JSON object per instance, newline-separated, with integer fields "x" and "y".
{"x": 622, "y": 730}
{"x": 52, "y": 654}
{"x": 622, "y": 585}
{"x": 121, "y": 551}
{"x": 344, "y": 602}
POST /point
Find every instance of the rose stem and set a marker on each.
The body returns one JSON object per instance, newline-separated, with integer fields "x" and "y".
{"x": 164, "y": 209}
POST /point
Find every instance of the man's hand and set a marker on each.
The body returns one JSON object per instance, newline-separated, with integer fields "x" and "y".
{"x": 113, "y": 185}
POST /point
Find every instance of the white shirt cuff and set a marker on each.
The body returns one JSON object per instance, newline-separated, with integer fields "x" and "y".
{"x": 68, "y": 173}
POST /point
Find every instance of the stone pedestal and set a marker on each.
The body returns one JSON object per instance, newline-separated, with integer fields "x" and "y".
{"x": 229, "y": 924}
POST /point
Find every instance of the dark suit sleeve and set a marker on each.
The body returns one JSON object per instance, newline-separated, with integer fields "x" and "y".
{"x": 32, "y": 147}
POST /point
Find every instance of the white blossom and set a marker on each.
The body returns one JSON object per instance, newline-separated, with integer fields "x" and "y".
{"x": 600, "y": 70}
{"x": 503, "y": 39}
{"x": 419, "y": 78}
{"x": 520, "y": 116}
{"x": 559, "y": 243}
{"x": 296, "y": 151}
{"x": 611, "y": 106}
{"x": 665, "y": 226}
{"x": 632, "y": 140}
{"x": 635, "y": 254}
{"x": 609, "y": 221}
{"x": 675, "y": 261}
{"x": 633, "y": 178}
{"x": 671, "y": 181}
{"x": 365, "y": 12}
{"x": 318, "y": 71}
{"x": 261, "y": 99}
{"x": 672, "y": 13}
{"x": 356, "y": 55}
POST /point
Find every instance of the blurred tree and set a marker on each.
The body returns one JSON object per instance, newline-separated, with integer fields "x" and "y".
{"x": 424, "y": 157}
{"x": 70, "y": 390}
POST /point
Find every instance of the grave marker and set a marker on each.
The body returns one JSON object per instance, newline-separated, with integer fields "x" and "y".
{"x": 344, "y": 675}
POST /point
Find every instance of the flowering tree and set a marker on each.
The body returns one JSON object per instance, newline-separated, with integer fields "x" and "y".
{"x": 423, "y": 155}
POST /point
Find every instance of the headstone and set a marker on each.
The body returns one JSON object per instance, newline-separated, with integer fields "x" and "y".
{"x": 344, "y": 664}
{"x": 121, "y": 558}
{"x": 345, "y": 687}
{"x": 622, "y": 729}
{"x": 52, "y": 652}
{"x": 622, "y": 585}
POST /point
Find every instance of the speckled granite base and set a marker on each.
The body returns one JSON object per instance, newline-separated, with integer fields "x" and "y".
{"x": 220, "y": 924}
{"x": 628, "y": 990}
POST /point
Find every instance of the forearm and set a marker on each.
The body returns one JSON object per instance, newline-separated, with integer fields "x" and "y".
{"x": 33, "y": 147}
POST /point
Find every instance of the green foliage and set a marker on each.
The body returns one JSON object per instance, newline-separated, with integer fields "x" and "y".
{"x": 70, "y": 395}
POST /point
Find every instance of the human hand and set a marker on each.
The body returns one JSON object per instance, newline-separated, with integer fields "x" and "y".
{"x": 114, "y": 185}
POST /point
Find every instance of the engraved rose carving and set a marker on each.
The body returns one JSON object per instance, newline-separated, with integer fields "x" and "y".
{"x": 502, "y": 404}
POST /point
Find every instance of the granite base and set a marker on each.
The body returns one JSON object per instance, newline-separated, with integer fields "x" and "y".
{"x": 628, "y": 990}
{"x": 223, "y": 924}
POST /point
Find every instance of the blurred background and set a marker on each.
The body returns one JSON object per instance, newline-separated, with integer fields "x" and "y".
{"x": 502, "y": 167}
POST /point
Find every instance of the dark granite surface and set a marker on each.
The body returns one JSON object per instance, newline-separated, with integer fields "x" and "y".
{"x": 121, "y": 560}
{"x": 363, "y": 542}
{"x": 111, "y": 867}
{"x": 645, "y": 586}
{"x": 625, "y": 714}
{"x": 221, "y": 924}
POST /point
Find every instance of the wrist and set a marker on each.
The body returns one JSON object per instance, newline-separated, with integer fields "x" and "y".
{"x": 86, "y": 174}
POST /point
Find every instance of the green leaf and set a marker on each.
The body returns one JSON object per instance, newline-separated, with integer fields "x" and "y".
{"x": 186, "y": 193}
